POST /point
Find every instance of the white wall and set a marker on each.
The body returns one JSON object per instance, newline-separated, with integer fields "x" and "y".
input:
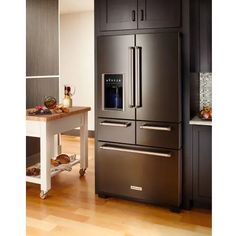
{"x": 77, "y": 58}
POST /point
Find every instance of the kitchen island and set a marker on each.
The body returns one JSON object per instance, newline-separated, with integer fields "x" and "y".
{"x": 47, "y": 127}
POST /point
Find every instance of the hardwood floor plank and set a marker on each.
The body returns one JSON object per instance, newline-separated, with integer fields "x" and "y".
{"x": 40, "y": 224}
{"x": 85, "y": 228}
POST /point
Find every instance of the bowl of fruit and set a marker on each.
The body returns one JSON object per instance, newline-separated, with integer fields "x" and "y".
{"x": 206, "y": 113}
{"x": 50, "y": 102}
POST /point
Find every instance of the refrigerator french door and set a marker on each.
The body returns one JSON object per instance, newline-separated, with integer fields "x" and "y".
{"x": 113, "y": 64}
{"x": 138, "y": 144}
{"x": 150, "y": 67}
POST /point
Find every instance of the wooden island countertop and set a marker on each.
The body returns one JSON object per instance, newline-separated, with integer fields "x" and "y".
{"x": 55, "y": 116}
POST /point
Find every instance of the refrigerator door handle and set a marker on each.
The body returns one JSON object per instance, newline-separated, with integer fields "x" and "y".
{"x": 152, "y": 127}
{"x": 160, "y": 154}
{"x": 113, "y": 124}
{"x": 138, "y": 76}
{"x": 131, "y": 76}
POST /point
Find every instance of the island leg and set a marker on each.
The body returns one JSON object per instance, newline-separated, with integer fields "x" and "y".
{"x": 84, "y": 144}
{"x": 46, "y": 153}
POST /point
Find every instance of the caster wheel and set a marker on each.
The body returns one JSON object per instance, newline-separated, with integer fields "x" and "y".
{"x": 82, "y": 172}
{"x": 43, "y": 194}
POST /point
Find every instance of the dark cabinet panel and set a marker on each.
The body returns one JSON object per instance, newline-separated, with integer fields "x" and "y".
{"x": 160, "y": 77}
{"x": 159, "y": 13}
{"x": 202, "y": 165}
{"x": 37, "y": 89}
{"x": 201, "y": 36}
{"x": 205, "y": 36}
{"x": 32, "y": 151}
{"x": 42, "y": 38}
{"x": 113, "y": 58}
{"x": 118, "y": 14}
{"x": 139, "y": 14}
{"x": 132, "y": 173}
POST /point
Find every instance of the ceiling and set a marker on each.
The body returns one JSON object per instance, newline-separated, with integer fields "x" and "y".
{"x": 71, "y": 6}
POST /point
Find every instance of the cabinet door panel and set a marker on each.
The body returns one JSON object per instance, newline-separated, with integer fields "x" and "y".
{"x": 202, "y": 159}
{"x": 160, "y": 77}
{"x": 205, "y": 36}
{"x": 118, "y": 14}
{"x": 201, "y": 36}
{"x": 37, "y": 89}
{"x": 42, "y": 38}
{"x": 159, "y": 13}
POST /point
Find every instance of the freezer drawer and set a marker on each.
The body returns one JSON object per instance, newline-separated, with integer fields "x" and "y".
{"x": 113, "y": 130}
{"x": 145, "y": 174}
{"x": 158, "y": 134}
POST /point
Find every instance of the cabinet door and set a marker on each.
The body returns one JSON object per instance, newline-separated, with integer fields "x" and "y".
{"x": 118, "y": 14}
{"x": 42, "y": 38}
{"x": 37, "y": 89}
{"x": 160, "y": 88}
{"x": 159, "y": 13}
{"x": 205, "y": 36}
{"x": 202, "y": 167}
{"x": 201, "y": 36}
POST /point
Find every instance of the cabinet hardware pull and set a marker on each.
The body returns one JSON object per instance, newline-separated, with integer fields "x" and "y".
{"x": 161, "y": 154}
{"x": 138, "y": 76}
{"x": 133, "y": 15}
{"x": 123, "y": 125}
{"x": 131, "y": 76}
{"x": 142, "y": 15}
{"x": 155, "y": 127}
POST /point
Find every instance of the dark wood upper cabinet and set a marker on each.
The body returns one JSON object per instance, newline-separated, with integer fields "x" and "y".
{"x": 205, "y": 36}
{"x": 139, "y": 14}
{"x": 159, "y": 13}
{"x": 42, "y": 38}
{"x": 118, "y": 14}
{"x": 201, "y": 35}
{"x": 202, "y": 165}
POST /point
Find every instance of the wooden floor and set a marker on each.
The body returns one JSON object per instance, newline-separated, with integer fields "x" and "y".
{"x": 73, "y": 209}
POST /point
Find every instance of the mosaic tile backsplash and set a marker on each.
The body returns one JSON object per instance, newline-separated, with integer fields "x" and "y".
{"x": 205, "y": 90}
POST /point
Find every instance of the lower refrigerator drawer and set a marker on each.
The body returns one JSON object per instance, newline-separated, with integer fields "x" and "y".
{"x": 159, "y": 134}
{"x": 114, "y": 130}
{"x": 146, "y": 174}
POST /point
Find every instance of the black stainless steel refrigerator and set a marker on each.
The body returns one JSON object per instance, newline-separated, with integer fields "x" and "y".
{"x": 138, "y": 117}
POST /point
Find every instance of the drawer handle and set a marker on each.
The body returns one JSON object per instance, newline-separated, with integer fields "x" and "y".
{"x": 133, "y": 15}
{"x": 160, "y": 154}
{"x": 113, "y": 124}
{"x": 142, "y": 15}
{"x": 161, "y": 128}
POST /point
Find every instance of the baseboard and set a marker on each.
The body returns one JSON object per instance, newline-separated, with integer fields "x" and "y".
{"x": 76, "y": 132}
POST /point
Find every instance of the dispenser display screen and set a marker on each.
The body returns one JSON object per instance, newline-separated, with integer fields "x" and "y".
{"x": 113, "y": 91}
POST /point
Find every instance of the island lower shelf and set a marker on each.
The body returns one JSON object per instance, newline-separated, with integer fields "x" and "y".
{"x": 54, "y": 171}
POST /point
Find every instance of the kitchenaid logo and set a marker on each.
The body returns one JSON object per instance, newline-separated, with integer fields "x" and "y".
{"x": 137, "y": 188}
